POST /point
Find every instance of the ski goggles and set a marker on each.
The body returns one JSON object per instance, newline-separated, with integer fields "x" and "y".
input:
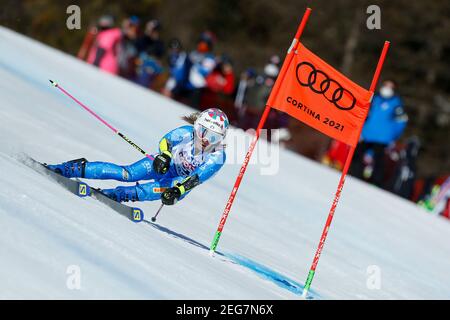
{"x": 208, "y": 135}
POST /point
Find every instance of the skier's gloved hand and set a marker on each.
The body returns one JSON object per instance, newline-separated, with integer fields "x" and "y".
{"x": 171, "y": 195}
{"x": 161, "y": 163}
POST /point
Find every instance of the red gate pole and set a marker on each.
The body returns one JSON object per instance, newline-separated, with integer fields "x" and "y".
{"x": 263, "y": 119}
{"x": 341, "y": 182}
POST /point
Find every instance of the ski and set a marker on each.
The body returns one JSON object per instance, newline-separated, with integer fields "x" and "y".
{"x": 82, "y": 189}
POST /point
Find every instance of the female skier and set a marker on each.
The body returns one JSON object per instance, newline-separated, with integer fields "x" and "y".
{"x": 188, "y": 156}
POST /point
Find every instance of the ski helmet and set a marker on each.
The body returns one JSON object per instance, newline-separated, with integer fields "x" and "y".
{"x": 211, "y": 126}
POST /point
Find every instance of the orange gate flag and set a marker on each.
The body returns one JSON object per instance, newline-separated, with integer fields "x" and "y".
{"x": 320, "y": 96}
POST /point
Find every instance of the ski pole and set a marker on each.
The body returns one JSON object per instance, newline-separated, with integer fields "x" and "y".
{"x": 157, "y": 212}
{"x": 56, "y": 85}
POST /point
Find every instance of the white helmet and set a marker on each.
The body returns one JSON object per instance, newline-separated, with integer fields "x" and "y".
{"x": 211, "y": 126}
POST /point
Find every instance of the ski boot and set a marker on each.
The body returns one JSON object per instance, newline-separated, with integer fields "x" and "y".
{"x": 70, "y": 169}
{"x": 121, "y": 194}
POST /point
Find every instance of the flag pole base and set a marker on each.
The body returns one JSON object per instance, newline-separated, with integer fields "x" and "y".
{"x": 304, "y": 294}
{"x": 212, "y": 253}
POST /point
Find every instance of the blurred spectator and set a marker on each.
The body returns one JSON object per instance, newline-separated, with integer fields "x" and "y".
{"x": 405, "y": 170}
{"x": 176, "y": 58}
{"x": 438, "y": 200}
{"x": 245, "y": 96}
{"x": 151, "y": 51}
{"x": 256, "y": 95}
{"x": 336, "y": 154}
{"x": 174, "y": 50}
{"x": 88, "y": 42}
{"x": 150, "y": 42}
{"x": 277, "y": 119}
{"x": 190, "y": 71}
{"x": 221, "y": 79}
{"x": 265, "y": 85}
{"x": 220, "y": 88}
{"x": 384, "y": 125}
{"x": 103, "y": 52}
{"x": 443, "y": 200}
{"x": 128, "y": 51}
{"x": 446, "y": 210}
{"x": 255, "y": 100}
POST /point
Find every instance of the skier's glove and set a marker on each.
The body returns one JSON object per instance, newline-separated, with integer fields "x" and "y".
{"x": 171, "y": 195}
{"x": 161, "y": 163}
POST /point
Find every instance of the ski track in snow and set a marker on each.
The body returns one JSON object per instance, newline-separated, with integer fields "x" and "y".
{"x": 268, "y": 243}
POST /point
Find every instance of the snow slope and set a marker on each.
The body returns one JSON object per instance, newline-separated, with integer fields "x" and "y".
{"x": 271, "y": 235}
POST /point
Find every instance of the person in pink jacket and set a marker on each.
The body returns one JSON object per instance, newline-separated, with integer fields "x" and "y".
{"x": 103, "y": 53}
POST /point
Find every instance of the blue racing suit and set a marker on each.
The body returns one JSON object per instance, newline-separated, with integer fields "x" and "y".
{"x": 184, "y": 165}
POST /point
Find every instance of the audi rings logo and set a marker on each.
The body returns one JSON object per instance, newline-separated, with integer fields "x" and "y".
{"x": 319, "y": 82}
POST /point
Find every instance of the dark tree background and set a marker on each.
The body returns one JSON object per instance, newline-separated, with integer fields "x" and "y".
{"x": 251, "y": 30}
